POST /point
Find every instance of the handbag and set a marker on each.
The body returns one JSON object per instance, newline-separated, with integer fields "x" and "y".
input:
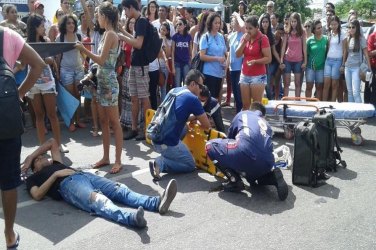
{"x": 161, "y": 77}
{"x": 11, "y": 125}
{"x": 197, "y": 63}
{"x": 363, "y": 68}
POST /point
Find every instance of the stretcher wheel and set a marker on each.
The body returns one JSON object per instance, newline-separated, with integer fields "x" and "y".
{"x": 357, "y": 139}
{"x": 357, "y": 130}
{"x": 288, "y": 132}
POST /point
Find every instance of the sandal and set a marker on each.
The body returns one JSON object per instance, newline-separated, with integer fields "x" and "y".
{"x": 80, "y": 125}
{"x": 94, "y": 132}
{"x": 15, "y": 245}
{"x": 72, "y": 128}
{"x": 154, "y": 173}
{"x": 116, "y": 168}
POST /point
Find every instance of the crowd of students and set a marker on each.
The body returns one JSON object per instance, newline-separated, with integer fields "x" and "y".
{"x": 255, "y": 55}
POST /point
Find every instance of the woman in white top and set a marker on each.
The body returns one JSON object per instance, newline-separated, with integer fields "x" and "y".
{"x": 43, "y": 93}
{"x": 333, "y": 60}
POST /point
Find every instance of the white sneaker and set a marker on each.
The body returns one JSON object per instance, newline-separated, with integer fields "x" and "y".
{"x": 63, "y": 149}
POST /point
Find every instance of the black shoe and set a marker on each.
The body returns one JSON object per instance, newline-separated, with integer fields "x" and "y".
{"x": 168, "y": 196}
{"x": 237, "y": 186}
{"x": 280, "y": 184}
{"x": 140, "y": 137}
{"x": 132, "y": 134}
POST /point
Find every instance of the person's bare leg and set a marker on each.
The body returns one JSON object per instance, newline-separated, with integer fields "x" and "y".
{"x": 309, "y": 87}
{"x": 245, "y": 91}
{"x": 135, "y": 110}
{"x": 50, "y": 104}
{"x": 257, "y": 92}
{"x": 286, "y": 84}
{"x": 105, "y": 125}
{"x": 327, "y": 85}
{"x": 39, "y": 117}
{"x": 276, "y": 82}
{"x": 9, "y": 200}
{"x": 94, "y": 115}
{"x": 319, "y": 87}
{"x": 298, "y": 85}
{"x": 335, "y": 84}
{"x": 113, "y": 115}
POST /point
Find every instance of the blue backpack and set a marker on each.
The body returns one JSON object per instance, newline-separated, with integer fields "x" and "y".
{"x": 164, "y": 120}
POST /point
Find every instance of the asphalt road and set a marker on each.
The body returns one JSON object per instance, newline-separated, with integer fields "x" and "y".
{"x": 337, "y": 215}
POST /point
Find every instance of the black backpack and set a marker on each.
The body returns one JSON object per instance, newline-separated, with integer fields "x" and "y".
{"x": 152, "y": 43}
{"x": 11, "y": 124}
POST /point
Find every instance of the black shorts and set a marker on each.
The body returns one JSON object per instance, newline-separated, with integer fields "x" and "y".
{"x": 10, "y": 151}
{"x": 214, "y": 84}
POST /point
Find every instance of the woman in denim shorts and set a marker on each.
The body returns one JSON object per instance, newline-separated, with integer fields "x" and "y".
{"x": 255, "y": 48}
{"x": 316, "y": 52}
{"x": 293, "y": 54}
{"x": 43, "y": 93}
{"x": 71, "y": 63}
{"x": 333, "y": 60}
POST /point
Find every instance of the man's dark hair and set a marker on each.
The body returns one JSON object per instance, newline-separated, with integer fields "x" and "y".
{"x": 190, "y": 10}
{"x": 193, "y": 75}
{"x": 258, "y": 106}
{"x": 205, "y": 92}
{"x": 331, "y": 5}
{"x": 130, "y": 3}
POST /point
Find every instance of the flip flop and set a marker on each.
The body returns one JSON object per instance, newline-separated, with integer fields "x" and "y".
{"x": 115, "y": 170}
{"x": 15, "y": 245}
{"x": 96, "y": 165}
{"x": 156, "y": 177}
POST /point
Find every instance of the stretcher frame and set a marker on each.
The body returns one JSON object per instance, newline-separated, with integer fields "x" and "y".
{"x": 288, "y": 122}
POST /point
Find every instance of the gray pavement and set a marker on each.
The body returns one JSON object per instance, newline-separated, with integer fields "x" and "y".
{"x": 337, "y": 215}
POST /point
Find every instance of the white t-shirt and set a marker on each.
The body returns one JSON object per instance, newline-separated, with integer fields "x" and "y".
{"x": 157, "y": 24}
{"x": 153, "y": 66}
{"x": 335, "y": 48}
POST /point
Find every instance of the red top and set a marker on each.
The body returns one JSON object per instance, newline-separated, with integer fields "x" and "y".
{"x": 371, "y": 44}
{"x": 252, "y": 51}
{"x": 128, "y": 52}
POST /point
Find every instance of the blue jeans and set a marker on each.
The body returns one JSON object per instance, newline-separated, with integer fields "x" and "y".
{"x": 272, "y": 70}
{"x": 353, "y": 84}
{"x": 175, "y": 159}
{"x": 162, "y": 90}
{"x": 235, "y": 76}
{"x": 181, "y": 70}
{"x": 77, "y": 190}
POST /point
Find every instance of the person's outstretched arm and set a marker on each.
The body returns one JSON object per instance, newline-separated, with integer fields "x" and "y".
{"x": 51, "y": 145}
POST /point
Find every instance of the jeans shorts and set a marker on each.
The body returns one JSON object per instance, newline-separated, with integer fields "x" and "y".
{"x": 332, "y": 66}
{"x": 70, "y": 76}
{"x": 10, "y": 152}
{"x": 294, "y": 67}
{"x": 35, "y": 90}
{"x": 252, "y": 80}
{"x": 315, "y": 76}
